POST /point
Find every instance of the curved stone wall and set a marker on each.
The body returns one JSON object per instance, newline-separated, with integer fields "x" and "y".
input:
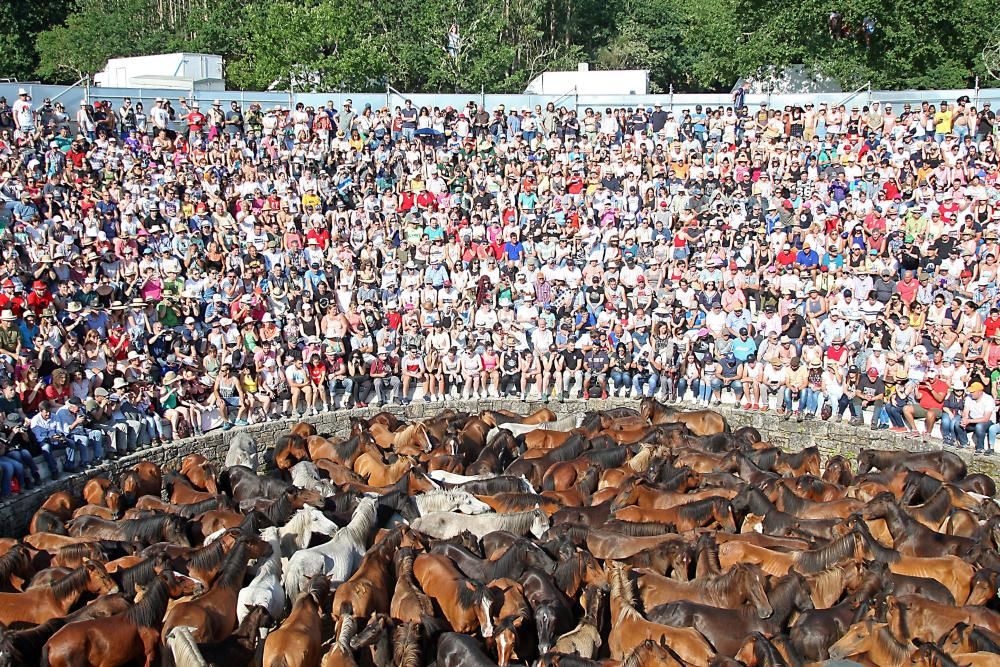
{"x": 831, "y": 438}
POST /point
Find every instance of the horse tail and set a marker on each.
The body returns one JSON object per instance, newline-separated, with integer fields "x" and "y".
{"x": 548, "y": 483}
{"x": 433, "y": 626}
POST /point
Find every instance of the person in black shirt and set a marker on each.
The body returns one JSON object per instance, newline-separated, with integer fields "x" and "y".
{"x": 596, "y": 363}
{"x": 573, "y": 371}
{"x": 871, "y": 394}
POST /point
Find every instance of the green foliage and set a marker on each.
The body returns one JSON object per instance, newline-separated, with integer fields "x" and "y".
{"x": 690, "y": 45}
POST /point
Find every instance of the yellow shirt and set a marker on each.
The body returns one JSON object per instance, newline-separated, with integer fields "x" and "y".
{"x": 942, "y": 122}
{"x": 310, "y": 199}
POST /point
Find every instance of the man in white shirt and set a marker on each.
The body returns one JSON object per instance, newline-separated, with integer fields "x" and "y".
{"x": 24, "y": 116}
{"x": 977, "y": 416}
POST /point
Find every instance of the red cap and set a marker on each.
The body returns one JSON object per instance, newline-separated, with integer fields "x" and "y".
{"x": 8, "y": 283}
{"x": 873, "y": 372}
{"x": 38, "y": 284}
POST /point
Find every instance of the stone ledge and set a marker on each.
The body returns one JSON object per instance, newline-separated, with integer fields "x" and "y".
{"x": 831, "y": 438}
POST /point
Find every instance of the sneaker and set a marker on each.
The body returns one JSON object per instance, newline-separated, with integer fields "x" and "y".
{"x": 227, "y": 426}
{"x": 241, "y": 422}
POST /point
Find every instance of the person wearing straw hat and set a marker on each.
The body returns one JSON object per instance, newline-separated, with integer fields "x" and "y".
{"x": 10, "y": 337}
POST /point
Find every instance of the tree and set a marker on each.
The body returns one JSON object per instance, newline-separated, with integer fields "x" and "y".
{"x": 20, "y": 23}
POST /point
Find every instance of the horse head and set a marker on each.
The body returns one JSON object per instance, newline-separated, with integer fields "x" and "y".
{"x": 469, "y": 504}
{"x": 539, "y": 523}
{"x": 99, "y": 582}
{"x": 378, "y": 625}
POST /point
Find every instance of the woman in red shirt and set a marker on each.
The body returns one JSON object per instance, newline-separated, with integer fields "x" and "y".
{"x": 317, "y": 377}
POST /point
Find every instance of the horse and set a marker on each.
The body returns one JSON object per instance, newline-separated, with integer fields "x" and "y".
{"x": 200, "y": 472}
{"x": 921, "y": 619}
{"x": 629, "y": 628}
{"x": 699, "y": 422}
{"x": 145, "y": 531}
{"x": 947, "y": 465}
{"x": 264, "y": 590}
{"x": 464, "y": 602}
{"x": 449, "y": 500}
{"x": 965, "y": 638}
{"x": 876, "y": 642}
{"x": 239, "y": 648}
{"x": 367, "y": 591}
{"x": 242, "y": 452}
{"x": 459, "y": 650}
{"x": 297, "y": 641}
{"x": 213, "y": 615}
{"x": 338, "y": 558}
{"x": 697, "y": 514}
{"x": 442, "y": 525}
{"x": 727, "y": 628}
{"x": 409, "y": 604}
{"x": 38, "y": 605}
{"x": 120, "y": 639}
{"x": 585, "y": 639}
{"x": 741, "y": 584}
{"x": 910, "y": 537}
{"x": 340, "y": 653}
{"x": 376, "y": 638}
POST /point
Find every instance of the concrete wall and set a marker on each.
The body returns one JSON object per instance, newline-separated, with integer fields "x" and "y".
{"x": 16, "y": 512}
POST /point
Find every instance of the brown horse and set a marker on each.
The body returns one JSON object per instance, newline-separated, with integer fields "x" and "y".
{"x": 213, "y": 615}
{"x": 378, "y": 473}
{"x": 144, "y": 479}
{"x": 464, "y": 602}
{"x": 344, "y": 452}
{"x": 200, "y": 472}
{"x": 917, "y": 617}
{"x": 367, "y": 591}
{"x": 120, "y": 639}
{"x": 39, "y": 605}
{"x": 697, "y": 514}
{"x": 409, "y": 603}
{"x": 742, "y": 584}
{"x": 296, "y": 643}
{"x": 699, "y": 422}
{"x": 629, "y": 628}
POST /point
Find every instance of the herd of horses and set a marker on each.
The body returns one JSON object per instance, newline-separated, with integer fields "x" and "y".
{"x": 636, "y": 537}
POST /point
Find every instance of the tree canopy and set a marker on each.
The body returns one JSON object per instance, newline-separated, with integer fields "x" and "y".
{"x": 691, "y": 45}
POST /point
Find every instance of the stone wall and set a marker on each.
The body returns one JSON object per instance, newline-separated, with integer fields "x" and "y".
{"x": 831, "y": 438}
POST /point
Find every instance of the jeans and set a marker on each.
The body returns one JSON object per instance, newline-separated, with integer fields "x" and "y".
{"x": 736, "y": 385}
{"x": 73, "y": 455}
{"x": 651, "y": 380}
{"x": 809, "y": 401}
{"x": 949, "y": 427}
{"x": 621, "y": 379}
{"x": 844, "y": 404}
{"x": 895, "y": 416}
{"x": 994, "y": 429}
{"x": 980, "y": 430}
{"x": 11, "y": 468}
{"x": 88, "y": 440}
{"x": 340, "y": 382}
{"x": 704, "y": 390}
{"x": 385, "y": 386}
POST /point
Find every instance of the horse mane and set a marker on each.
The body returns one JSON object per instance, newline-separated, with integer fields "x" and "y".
{"x": 493, "y": 485}
{"x": 780, "y": 595}
{"x": 519, "y": 502}
{"x": 140, "y": 573}
{"x": 591, "y": 421}
{"x": 824, "y": 557}
{"x": 503, "y": 567}
{"x": 765, "y": 458}
{"x": 14, "y": 560}
{"x": 406, "y": 645}
{"x": 700, "y": 510}
{"x": 639, "y": 528}
{"x": 71, "y": 584}
{"x": 899, "y": 652}
{"x": 871, "y": 545}
{"x": 207, "y": 556}
{"x": 149, "y": 611}
{"x": 610, "y": 457}
{"x": 279, "y": 509}
{"x": 183, "y": 647}
{"x": 623, "y": 590}
{"x": 233, "y": 570}
{"x": 982, "y": 641}
{"x": 569, "y": 450}
{"x": 346, "y": 448}
{"x": 362, "y": 521}
{"x": 193, "y": 509}
{"x": 792, "y": 502}
{"x": 147, "y": 529}
{"x": 937, "y": 505}
{"x": 726, "y": 580}
{"x": 469, "y": 596}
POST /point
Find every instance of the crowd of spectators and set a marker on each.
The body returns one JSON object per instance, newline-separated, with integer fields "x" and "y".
{"x": 173, "y": 269}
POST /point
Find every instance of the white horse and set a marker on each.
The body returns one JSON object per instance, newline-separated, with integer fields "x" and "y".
{"x": 444, "y": 525}
{"x": 338, "y": 558}
{"x": 451, "y": 500}
{"x": 297, "y": 533}
{"x": 242, "y": 452}
{"x": 180, "y": 643}
{"x": 454, "y": 478}
{"x": 305, "y": 475}
{"x": 265, "y": 588}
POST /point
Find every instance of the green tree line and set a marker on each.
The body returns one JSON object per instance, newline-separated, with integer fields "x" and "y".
{"x": 691, "y": 45}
